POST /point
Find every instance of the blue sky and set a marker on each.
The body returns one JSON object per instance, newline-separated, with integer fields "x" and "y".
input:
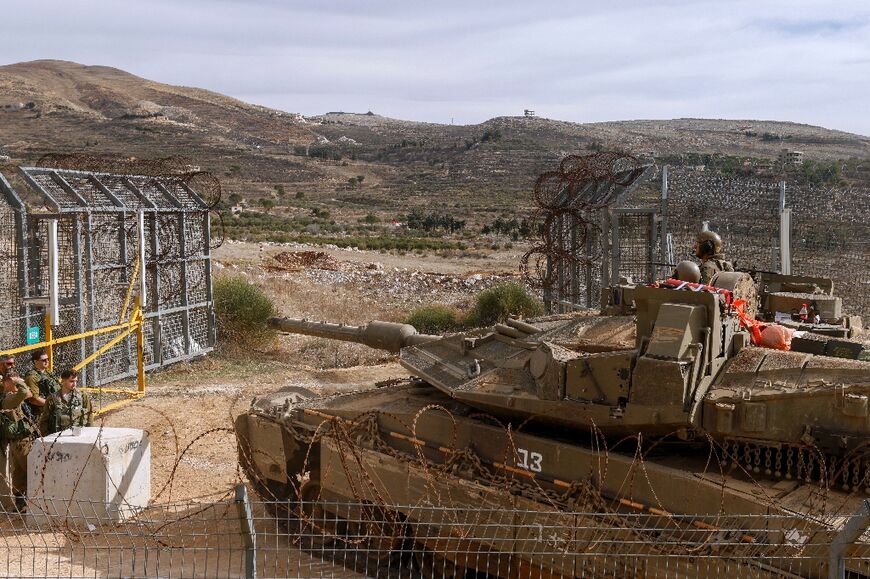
{"x": 468, "y": 61}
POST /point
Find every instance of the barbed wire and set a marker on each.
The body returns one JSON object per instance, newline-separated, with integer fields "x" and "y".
{"x": 567, "y": 218}
{"x": 674, "y": 534}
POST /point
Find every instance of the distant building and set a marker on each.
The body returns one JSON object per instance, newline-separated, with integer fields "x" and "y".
{"x": 528, "y": 113}
{"x": 788, "y": 157}
{"x": 12, "y": 107}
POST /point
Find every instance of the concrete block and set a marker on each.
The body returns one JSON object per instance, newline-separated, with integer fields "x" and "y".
{"x": 97, "y": 475}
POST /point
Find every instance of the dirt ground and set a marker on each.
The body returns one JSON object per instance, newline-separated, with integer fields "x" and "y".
{"x": 189, "y": 408}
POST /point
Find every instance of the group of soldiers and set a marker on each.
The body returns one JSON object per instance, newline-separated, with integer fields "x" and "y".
{"x": 708, "y": 249}
{"x": 37, "y": 404}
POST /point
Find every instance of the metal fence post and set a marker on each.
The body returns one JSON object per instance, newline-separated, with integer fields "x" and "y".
{"x": 666, "y": 256}
{"x": 246, "y": 519}
{"x": 857, "y": 524}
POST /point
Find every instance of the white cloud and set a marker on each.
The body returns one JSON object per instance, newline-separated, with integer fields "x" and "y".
{"x": 801, "y": 61}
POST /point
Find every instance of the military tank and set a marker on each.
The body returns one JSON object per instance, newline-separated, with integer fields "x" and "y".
{"x": 664, "y": 408}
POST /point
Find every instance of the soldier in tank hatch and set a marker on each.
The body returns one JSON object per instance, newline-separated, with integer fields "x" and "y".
{"x": 708, "y": 248}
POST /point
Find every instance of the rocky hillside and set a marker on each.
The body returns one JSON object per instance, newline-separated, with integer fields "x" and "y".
{"x": 352, "y": 164}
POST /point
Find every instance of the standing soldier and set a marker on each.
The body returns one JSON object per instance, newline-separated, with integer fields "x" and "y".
{"x": 67, "y": 407}
{"x": 708, "y": 248}
{"x": 17, "y": 431}
{"x": 41, "y": 381}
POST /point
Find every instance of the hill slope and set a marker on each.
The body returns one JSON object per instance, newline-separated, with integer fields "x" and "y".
{"x": 261, "y": 153}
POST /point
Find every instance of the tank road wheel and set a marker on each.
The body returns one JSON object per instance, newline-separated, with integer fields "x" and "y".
{"x": 431, "y": 565}
{"x": 319, "y": 529}
{"x": 377, "y": 540}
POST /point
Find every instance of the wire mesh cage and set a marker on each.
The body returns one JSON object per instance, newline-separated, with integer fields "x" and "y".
{"x": 98, "y": 247}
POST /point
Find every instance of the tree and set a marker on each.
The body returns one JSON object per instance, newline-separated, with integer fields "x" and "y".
{"x": 267, "y": 204}
{"x": 235, "y": 199}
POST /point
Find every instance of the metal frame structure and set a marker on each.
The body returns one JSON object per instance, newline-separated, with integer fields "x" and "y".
{"x": 766, "y": 226}
{"x": 112, "y": 228}
{"x": 246, "y": 536}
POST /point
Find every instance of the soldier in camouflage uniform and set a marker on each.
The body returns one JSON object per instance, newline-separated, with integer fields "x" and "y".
{"x": 17, "y": 430}
{"x": 41, "y": 381}
{"x": 68, "y": 407}
{"x": 708, "y": 248}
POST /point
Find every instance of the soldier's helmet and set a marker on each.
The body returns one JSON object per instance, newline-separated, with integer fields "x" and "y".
{"x": 708, "y": 243}
{"x": 688, "y": 271}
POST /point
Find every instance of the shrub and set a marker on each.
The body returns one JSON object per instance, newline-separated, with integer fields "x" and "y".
{"x": 325, "y": 151}
{"x": 241, "y": 311}
{"x": 432, "y": 319}
{"x": 501, "y": 301}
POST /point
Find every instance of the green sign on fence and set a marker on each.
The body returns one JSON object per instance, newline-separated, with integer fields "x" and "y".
{"x": 32, "y": 335}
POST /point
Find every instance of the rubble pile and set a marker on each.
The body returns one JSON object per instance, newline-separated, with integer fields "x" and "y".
{"x": 299, "y": 260}
{"x": 404, "y": 285}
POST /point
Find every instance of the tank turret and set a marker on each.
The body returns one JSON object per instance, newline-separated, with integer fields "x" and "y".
{"x": 683, "y": 363}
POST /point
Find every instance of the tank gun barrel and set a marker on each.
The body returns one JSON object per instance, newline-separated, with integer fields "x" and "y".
{"x": 377, "y": 334}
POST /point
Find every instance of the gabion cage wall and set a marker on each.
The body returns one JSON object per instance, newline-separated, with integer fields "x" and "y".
{"x": 98, "y": 243}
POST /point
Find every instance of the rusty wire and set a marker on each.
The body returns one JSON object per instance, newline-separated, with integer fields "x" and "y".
{"x": 568, "y": 202}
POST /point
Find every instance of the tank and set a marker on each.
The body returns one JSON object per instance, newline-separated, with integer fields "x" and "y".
{"x": 661, "y": 405}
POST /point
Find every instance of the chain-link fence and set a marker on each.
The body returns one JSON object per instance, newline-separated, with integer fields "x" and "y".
{"x": 829, "y": 232}
{"x": 649, "y": 230}
{"x": 99, "y": 243}
{"x": 239, "y": 537}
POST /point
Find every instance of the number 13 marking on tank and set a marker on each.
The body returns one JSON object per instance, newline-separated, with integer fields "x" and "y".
{"x": 529, "y": 460}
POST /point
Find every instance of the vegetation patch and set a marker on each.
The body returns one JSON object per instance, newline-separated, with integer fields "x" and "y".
{"x": 241, "y": 311}
{"x": 433, "y": 319}
{"x": 502, "y": 301}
